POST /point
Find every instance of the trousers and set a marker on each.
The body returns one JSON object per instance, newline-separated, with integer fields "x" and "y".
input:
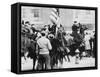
{"x": 47, "y": 60}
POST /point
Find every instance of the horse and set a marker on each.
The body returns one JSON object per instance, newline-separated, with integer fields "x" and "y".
{"x": 54, "y": 52}
{"x": 62, "y": 48}
{"x": 28, "y": 46}
{"x": 32, "y": 52}
{"x": 24, "y": 44}
{"x": 81, "y": 32}
{"x": 77, "y": 42}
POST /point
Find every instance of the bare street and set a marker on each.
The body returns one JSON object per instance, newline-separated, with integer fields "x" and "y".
{"x": 85, "y": 62}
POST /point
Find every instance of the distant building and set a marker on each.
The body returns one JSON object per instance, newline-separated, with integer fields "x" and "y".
{"x": 40, "y": 16}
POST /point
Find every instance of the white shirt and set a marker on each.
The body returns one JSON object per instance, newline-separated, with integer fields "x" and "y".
{"x": 44, "y": 45}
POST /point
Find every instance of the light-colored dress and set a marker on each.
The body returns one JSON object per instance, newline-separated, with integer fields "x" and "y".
{"x": 87, "y": 44}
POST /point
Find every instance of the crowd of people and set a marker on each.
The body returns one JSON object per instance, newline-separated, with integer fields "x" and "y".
{"x": 50, "y": 45}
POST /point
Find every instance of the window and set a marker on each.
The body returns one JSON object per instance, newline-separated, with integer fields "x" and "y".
{"x": 35, "y": 13}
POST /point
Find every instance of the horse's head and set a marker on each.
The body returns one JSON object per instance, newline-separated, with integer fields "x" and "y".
{"x": 59, "y": 35}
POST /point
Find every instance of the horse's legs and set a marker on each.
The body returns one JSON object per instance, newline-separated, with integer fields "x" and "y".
{"x": 53, "y": 61}
{"x": 68, "y": 58}
{"x": 66, "y": 54}
{"x": 34, "y": 62}
{"x": 56, "y": 59}
{"x": 42, "y": 65}
{"x": 81, "y": 49}
{"x": 80, "y": 55}
{"x": 25, "y": 55}
{"x": 65, "y": 58}
{"x": 61, "y": 58}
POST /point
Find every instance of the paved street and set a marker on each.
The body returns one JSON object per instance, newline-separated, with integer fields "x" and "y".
{"x": 85, "y": 62}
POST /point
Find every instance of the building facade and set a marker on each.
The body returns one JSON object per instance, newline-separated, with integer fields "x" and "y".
{"x": 40, "y": 16}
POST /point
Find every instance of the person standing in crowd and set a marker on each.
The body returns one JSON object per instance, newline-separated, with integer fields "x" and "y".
{"x": 94, "y": 46}
{"x": 87, "y": 44}
{"x": 44, "y": 47}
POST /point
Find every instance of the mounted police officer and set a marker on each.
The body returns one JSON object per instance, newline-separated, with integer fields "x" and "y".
{"x": 77, "y": 38}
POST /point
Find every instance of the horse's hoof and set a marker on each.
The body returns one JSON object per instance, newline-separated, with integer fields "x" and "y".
{"x": 68, "y": 60}
{"x": 76, "y": 62}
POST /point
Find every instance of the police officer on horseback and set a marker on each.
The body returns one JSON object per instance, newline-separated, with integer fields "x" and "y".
{"x": 77, "y": 39}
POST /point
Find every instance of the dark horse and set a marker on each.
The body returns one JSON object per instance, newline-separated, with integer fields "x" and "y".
{"x": 59, "y": 50}
{"x": 28, "y": 45}
{"x": 62, "y": 48}
{"x": 77, "y": 42}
